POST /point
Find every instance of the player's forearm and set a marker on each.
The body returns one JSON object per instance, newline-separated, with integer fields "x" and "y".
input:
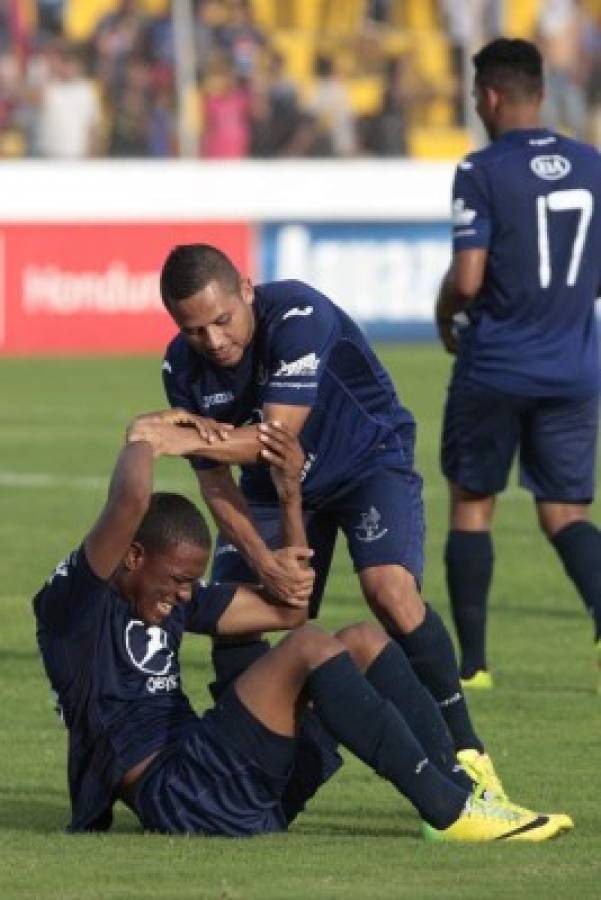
{"x": 132, "y": 478}
{"x": 292, "y": 525}
{"x": 241, "y": 447}
{"x": 231, "y": 514}
{"x": 450, "y": 301}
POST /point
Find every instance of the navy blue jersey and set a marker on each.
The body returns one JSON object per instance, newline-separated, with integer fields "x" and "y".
{"x": 533, "y": 199}
{"x": 117, "y": 681}
{"x": 305, "y": 352}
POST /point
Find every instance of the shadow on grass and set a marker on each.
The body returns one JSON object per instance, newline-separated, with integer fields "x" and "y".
{"x": 42, "y": 816}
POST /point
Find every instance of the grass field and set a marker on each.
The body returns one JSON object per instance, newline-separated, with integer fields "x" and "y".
{"x": 61, "y": 425}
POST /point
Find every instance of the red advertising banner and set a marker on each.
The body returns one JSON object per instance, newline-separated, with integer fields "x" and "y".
{"x": 94, "y": 288}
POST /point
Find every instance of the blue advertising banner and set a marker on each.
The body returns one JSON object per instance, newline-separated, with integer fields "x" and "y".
{"x": 386, "y": 275}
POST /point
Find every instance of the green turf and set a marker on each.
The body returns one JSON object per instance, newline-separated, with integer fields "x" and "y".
{"x": 61, "y": 425}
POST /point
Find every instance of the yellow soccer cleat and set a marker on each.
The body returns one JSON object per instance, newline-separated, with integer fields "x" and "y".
{"x": 480, "y": 769}
{"x": 494, "y": 820}
{"x": 479, "y": 681}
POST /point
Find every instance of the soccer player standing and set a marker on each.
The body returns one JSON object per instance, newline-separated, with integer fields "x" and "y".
{"x": 526, "y": 269}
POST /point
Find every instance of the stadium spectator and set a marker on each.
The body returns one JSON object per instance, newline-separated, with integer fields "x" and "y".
{"x": 13, "y": 107}
{"x": 526, "y": 269}
{"x": 50, "y": 17}
{"x": 592, "y": 54}
{"x": 562, "y": 25}
{"x": 243, "y": 41}
{"x": 330, "y": 106}
{"x": 277, "y": 117}
{"x": 131, "y": 113}
{"x": 225, "y": 112}
{"x": 69, "y": 124}
{"x": 110, "y": 622}
{"x": 119, "y": 37}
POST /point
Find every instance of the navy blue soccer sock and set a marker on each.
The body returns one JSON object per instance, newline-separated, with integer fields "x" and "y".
{"x": 392, "y": 676}
{"x": 469, "y": 566}
{"x": 315, "y": 761}
{"x": 430, "y": 652}
{"x": 579, "y": 548}
{"x": 376, "y": 732}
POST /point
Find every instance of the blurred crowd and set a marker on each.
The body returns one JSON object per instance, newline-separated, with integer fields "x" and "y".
{"x": 118, "y": 92}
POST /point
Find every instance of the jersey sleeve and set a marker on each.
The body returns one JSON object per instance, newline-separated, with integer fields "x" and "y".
{"x": 300, "y": 342}
{"x": 471, "y": 208}
{"x": 70, "y": 599}
{"x": 206, "y": 607}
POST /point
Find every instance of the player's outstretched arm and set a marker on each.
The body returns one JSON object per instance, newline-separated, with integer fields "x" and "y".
{"x": 130, "y": 489}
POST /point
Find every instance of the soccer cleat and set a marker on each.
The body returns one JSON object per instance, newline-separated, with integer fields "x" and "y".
{"x": 479, "y": 681}
{"x": 494, "y": 820}
{"x": 480, "y": 769}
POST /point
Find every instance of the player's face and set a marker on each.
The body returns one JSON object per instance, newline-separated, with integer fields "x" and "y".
{"x": 155, "y": 582}
{"x": 216, "y": 322}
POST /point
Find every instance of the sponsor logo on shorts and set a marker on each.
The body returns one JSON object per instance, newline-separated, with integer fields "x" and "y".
{"x": 551, "y": 167}
{"x": 369, "y": 528}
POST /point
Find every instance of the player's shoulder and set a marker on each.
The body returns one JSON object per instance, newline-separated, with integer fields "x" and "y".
{"x": 71, "y": 576}
{"x": 177, "y": 355}
{"x": 290, "y": 297}
{"x": 476, "y": 160}
{"x": 575, "y": 149}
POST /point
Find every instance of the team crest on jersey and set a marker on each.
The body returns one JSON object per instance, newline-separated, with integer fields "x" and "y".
{"x": 148, "y": 648}
{"x": 369, "y": 529}
{"x": 551, "y": 167}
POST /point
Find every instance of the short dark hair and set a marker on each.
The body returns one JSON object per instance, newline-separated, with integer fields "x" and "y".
{"x": 190, "y": 267}
{"x": 510, "y": 65}
{"x": 172, "y": 519}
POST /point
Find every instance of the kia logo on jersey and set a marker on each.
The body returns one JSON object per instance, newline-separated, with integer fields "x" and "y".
{"x": 148, "y": 648}
{"x": 551, "y": 167}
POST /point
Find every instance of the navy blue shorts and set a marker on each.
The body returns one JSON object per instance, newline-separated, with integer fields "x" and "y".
{"x": 382, "y": 518}
{"x": 226, "y": 777}
{"x": 556, "y": 438}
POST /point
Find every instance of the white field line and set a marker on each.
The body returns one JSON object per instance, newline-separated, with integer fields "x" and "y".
{"x": 35, "y": 480}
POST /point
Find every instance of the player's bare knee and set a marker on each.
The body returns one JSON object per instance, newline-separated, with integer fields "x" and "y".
{"x": 364, "y": 641}
{"x": 394, "y": 597}
{"x": 312, "y": 646}
{"x": 554, "y": 517}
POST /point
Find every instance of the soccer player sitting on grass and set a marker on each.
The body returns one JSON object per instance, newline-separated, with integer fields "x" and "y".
{"x": 110, "y": 624}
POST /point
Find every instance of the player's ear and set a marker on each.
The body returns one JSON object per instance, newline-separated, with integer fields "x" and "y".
{"x": 247, "y": 291}
{"x": 134, "y": 557}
